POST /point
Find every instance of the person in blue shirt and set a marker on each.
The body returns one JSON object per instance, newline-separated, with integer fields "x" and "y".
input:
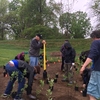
{"x": 93, "y": 88}
{"x": 16, "y": 70}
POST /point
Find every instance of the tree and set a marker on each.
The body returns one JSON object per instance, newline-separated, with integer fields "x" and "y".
{"x": 76, "y": 24}
{"x": 95, "y": 11}
{"x": 3, "y": 12}
{"x": 13, "y": 18}
{"x": 47, "y": 32}
{"x": 38, "y": 12}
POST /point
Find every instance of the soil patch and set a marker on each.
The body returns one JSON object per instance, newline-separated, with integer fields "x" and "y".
{"x": 61, "y": 91}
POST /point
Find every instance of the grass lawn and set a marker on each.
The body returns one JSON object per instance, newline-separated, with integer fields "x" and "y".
{"x": 9, "y": 49}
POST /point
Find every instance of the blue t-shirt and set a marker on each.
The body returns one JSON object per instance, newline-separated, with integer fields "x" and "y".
{"x": 15, "y": 63}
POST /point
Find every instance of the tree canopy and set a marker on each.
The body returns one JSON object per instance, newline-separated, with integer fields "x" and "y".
{"x": 28, "y": 17}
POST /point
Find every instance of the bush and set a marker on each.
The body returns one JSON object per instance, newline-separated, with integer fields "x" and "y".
{"x": 48, "y": 33}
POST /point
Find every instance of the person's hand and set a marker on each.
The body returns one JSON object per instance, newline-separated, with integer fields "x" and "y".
{"x": 82, "y": 69}
{"x": 43, "y": 41}
{"x": 35, "y": 69}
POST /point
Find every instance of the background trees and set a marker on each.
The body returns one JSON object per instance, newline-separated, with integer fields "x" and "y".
{"x": 76, "y": 24}
{"x": 95, "y": 12}
{"x": 3, "y": 12}
{"x": 28, "y": 17}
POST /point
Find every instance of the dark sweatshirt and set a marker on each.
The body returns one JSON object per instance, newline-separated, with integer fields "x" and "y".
{"x": 35, "y": 47}
{"x": 69, "y": 53}
{"x": 95, "y": 54}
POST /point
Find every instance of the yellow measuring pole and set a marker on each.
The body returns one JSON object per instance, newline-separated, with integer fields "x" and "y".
{"x": 44, "y": 50}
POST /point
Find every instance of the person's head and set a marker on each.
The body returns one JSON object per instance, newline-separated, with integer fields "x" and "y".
{"x": 23, "y": 54}
{"x": 38, "y": 36}
{"x": 95, "y": 34}
{"x": 67, "y": 45}
{"x": 66, "y": 41}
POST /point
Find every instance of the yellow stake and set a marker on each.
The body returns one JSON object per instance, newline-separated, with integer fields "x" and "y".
{"x": 44, "y": 57}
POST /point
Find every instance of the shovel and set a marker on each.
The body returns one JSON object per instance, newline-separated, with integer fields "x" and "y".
{"x": 44, "y": 73}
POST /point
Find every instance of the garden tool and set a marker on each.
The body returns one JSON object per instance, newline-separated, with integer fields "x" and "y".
{"x": 44, "y": 58}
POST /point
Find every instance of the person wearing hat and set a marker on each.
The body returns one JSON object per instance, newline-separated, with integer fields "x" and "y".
{"x": 34, "y": 51}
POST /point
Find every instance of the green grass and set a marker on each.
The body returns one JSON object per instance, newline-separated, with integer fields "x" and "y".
{"x": 9, "y": 49}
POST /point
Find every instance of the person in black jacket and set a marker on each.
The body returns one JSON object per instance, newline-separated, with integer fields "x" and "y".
{"x": 62, "y": 55}
{"x": 18, "y": 69}
{"x": 69, "y": 56}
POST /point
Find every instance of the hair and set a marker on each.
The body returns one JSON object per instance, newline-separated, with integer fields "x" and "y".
{"x": 95, "y": 34}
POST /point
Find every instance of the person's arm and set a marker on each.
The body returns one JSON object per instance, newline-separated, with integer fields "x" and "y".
{"x": 87, "y": 62}
{"x": 73, "y": 55}
{"x": 35, "y": 44}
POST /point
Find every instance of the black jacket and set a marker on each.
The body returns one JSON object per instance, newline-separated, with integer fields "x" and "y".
{"x": 69, "y": 53}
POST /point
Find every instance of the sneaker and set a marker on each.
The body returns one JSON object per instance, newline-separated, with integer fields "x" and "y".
{"x": 31, "y": 96}
{"x": 63, "y": 70}
{"x": 5, "y": 95}
{"x": 19, "y": 99}
{"x": 70, "y": 82}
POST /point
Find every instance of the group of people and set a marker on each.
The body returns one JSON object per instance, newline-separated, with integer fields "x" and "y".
{"x": 68, "y": 61}
{"x": 91, "y": 75}
{"x": 18, "y": 68}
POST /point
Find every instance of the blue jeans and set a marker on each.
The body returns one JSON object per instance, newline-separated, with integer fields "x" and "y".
{"x": 34, "y": 61}
{"x": 93, "y": 87}
{"x": 21, "y": 80}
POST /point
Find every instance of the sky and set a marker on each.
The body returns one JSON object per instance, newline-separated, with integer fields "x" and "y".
{"x": 81, "y": 5}
{"x": 78, "y": 4}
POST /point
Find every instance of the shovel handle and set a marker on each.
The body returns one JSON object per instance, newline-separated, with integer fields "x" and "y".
{"x": 44, "y": 50}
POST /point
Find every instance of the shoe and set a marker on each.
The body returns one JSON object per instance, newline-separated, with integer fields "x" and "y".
{"x": 63, "y": 70}
{"x": 70, "y": 82}
{"x": 5, "y": 95}
{"x": 18, "y": 99}
{"x": 31, "y": 96}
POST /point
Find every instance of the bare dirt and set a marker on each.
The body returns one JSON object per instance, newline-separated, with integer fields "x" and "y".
{"x": 61, "y": 90}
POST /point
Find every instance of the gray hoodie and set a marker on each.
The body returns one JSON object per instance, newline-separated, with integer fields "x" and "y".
{"x": 35, "y": 47}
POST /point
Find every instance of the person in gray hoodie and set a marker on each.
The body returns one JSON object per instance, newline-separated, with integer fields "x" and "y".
{"x": 18, "y": 69}
{"x": 34, "y": 50}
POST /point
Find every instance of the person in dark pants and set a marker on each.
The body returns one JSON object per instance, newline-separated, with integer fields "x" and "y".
{"x": 86, "y": 77}
{"x": 69, "y": 62}
{"x": 62, "y": 57}
{"x": 16, "y": 70}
